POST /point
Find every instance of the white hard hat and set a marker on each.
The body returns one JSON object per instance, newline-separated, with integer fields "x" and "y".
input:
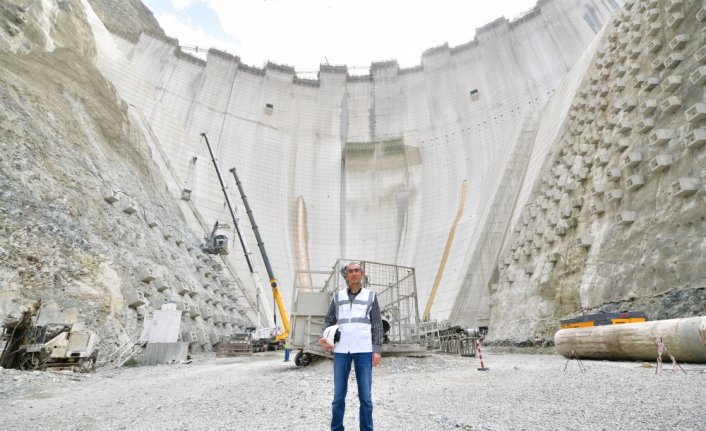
{"x": 330, "y": 335}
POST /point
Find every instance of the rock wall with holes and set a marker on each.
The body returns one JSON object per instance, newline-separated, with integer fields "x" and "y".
{"x": 614, "y": 221}
{"x": 86, "y": 224}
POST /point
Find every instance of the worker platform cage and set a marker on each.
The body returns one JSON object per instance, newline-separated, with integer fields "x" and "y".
{"x": 396, "y": 290}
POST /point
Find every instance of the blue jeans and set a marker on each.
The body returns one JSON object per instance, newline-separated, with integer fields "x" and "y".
{"x": 286, "y": 355}
{"x": 364, "y": 377}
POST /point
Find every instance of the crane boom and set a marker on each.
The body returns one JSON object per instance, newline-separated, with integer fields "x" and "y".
{"x": 263, "y": 252}
{"x": 243, "y": 244}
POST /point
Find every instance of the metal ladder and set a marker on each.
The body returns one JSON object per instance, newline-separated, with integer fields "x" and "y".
{"x": 124, "y": 352}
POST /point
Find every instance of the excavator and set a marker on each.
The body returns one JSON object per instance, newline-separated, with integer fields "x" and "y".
{"x": 216, "y": 243}
{"x": 276, "y": 337}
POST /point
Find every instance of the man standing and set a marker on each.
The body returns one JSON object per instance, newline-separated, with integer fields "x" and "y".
{"x": 286, "y": 350}
{"x": 357, "y": 313}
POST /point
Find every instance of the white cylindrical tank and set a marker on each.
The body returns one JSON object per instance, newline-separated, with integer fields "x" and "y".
{"x": 683, "y": 338}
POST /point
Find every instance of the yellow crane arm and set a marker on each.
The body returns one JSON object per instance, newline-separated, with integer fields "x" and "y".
{"x": 282, "y": 311}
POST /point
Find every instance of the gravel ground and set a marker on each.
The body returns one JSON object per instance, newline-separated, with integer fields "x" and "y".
{"x": 439, "y": 392}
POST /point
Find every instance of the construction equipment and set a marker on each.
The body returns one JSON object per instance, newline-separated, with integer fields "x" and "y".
{"x": 235, "y": 345}
{"x": 29, "y": 346}
{"x": 216, "y": 243}
{"x": 246, "y": 251}
{"x": 600, "y": 319}
{"x": 281, "y": 337}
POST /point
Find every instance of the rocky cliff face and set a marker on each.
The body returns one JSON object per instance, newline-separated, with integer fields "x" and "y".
{"x": 616, "y": 218}
{"x": 67, "y": 142}
{"x": 126, "y": 16}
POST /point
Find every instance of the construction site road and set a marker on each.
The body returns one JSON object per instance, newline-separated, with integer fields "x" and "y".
{"x": 437, "y": 392}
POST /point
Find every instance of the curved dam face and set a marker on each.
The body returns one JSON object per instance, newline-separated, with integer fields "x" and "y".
{"x": 685, "y": 339}
{"x": 379, "y": 159}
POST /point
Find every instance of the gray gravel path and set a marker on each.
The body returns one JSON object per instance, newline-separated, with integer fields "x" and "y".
{"x": 438, "y": 392}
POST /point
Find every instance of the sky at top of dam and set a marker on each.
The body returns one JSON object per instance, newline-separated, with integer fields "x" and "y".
{"x": 307, "y": 34}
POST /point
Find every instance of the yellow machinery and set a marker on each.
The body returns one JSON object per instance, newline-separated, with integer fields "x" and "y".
{"x": 273, "y": 281}
{"x": 280, "y": 337}
{"x": 600, "y": 319}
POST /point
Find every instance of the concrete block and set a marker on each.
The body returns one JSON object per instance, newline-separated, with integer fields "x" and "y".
{"x": 651, "y": 15}
{"x": 151, "y": 220}
{"x": 674, "y": 20}
{"x": 638, "y": 79}
{"x": 701, "y": 14}
{"x": 660, "y": 162}
{"x": 634, "y": 68}
{"x": 671, "y": 83}
{"x": 700, "y": 55}
{"x": 685, "y": 186}
{"x": 561, "y": 230}
{"x": 660, "y": 136}
{"x": 696, "y": 112}
{"x": 529, "y": 269}
{"x": 189, "y": 337}
{"x": 650, "y": 83}
{"x": 654, "y": 28}
{"x": 549, "y": 236}
{"x": 673, "y": 60}
{"x": 584, "y": 241}
{"x": 110, "y": 195}
{"x": 624, "y": 126}
{"x": 601, "y": 158}
{"x": 678, "y": 42}
{"x": 510, "y": 277}
{"x": 674, "y": 5}
{"x": 698, "y": 76}
{"x": 695, "y": 139}
{"x": 671, "y": 104}
{"x": 648, "y": 106}
{"x": 597, "y": 207}
{"x": 146, "y": 274}
{"x": 160, "y": 285}
{"x": 186, "y": 194}
{"x": 633, "y": 158}
{"x": 657, "y": 64}
{"x": 614, "y": 195}
{"x": 598, "y": 189}
{"x": 625, "y": 217}
{"x": 128, "y": 206}
{"x": 645, "y": 125}
{"x": 577, "y": 202}
{"x": 134, "y": 298}
{"x": 167, "y": 233}
{"x": 634, "y": 182}
{"x": 553, "y": 256}
{"x": 613, "y": 174}
{"x": 653, "y": 46}
{"x": 183, "y": 289}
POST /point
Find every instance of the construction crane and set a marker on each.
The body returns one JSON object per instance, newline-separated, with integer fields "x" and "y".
{"x": 243, "y": 244}
{"x": 273, "y": 281}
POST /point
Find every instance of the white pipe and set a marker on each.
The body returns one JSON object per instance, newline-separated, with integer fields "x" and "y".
{"x": 683, "y": 338}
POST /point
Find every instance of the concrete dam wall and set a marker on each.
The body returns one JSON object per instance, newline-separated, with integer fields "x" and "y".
{"x": 378, "y": 160}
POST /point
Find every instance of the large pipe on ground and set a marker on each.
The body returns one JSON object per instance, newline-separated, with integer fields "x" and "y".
{"x": 685, "y": 339}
